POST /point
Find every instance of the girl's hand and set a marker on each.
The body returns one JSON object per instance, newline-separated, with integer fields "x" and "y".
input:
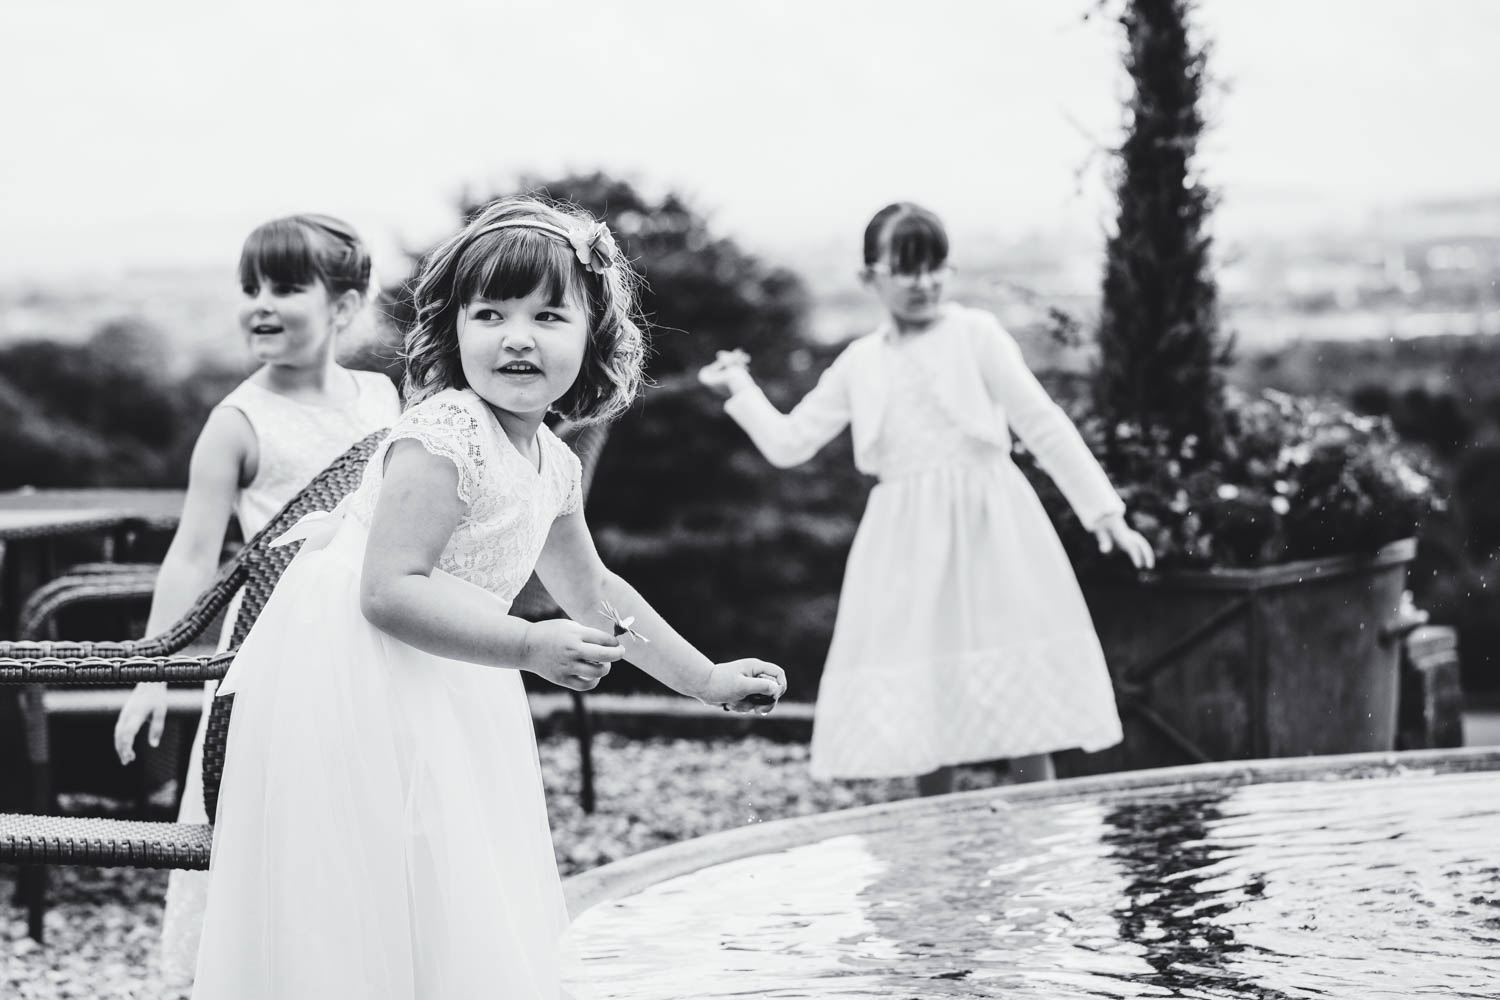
{"x": 570, "y": 655}
{"x": 145, "y": 701}
{"x": 1114, "y": 533}
{"x": 728, "y": 374}
{"x": 734, "y": 684}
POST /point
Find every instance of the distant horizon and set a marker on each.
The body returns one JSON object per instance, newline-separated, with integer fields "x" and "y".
{"x": 822, "y": 252}
{"x": 160, "y": 132}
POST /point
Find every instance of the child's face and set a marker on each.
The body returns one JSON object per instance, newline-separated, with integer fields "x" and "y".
{"x": 522, "y": 354}
{"x": 287, "y": 324}
{"x": 912, "y": 299}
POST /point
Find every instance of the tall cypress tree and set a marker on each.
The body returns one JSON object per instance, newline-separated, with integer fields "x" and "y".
{"x": 1161, "y": 356}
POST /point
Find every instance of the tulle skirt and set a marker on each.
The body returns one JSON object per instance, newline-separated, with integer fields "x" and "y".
{"x": 962, "y": 635}
{"x": 381, "y": 829}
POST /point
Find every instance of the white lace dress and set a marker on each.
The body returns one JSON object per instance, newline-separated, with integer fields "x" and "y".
{"x": 295, "y": 441}
{"x": 961, "y": 634}
{"x": 381, "y": 829}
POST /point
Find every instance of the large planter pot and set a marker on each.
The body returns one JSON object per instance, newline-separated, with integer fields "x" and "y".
{"x": 1281, "y": 661}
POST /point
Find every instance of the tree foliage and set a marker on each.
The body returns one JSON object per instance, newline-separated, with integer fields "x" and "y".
{"x": 1161, "y": 354}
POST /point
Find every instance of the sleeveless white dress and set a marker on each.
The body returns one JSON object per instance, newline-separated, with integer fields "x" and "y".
{"x": 295, "y": 441}
{"x": 381, "y": 830}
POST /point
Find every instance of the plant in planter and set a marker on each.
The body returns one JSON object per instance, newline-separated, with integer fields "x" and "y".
{"x": 1293, "y": 478}
{"x": 1282, "y": 525}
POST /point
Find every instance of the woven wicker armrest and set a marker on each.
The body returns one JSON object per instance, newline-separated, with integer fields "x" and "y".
{"x": 85, "y": 585}
{"x": 103, "y": 666}
{"x": 67, "y": 840}
{"x": 95, "y": 569}
{"x": 182, "y": 633}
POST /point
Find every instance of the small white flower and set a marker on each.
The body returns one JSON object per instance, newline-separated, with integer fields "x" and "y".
{"x": 1227, "y": 491}
{"x": 1280, "y": 505}
{"x": 622, "y": 626}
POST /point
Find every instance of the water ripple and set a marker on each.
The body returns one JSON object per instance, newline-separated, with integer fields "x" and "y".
{"x": 1377, "y": 887}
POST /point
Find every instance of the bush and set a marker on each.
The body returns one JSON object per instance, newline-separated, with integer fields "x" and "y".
{"x": 1295, "y": 478}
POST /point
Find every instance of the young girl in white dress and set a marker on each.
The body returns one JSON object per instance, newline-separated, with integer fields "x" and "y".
{"x": 961, "y": 633}
{"x": 305, "y": 278}
{"x": 381, "y": 829}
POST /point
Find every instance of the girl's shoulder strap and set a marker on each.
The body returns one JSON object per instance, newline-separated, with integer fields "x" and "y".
{"x": 236, "y": 396}
{"x": 377, "y": 394}
{"x": 257, "y": 403}
{"x": 369, "y": 381}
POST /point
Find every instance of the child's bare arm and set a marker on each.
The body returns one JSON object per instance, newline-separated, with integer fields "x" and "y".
{"x": 418, "y": 511}
{"x": 785, "y": 439}
{"x": 575, "y": 576}
{"x": 219, "y": 467}
{"x": 221, "y": 458}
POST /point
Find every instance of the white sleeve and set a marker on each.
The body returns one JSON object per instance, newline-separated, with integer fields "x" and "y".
{"x": 1043, "y": 426}
{"x": 788, "y": 439}
{"x": 448, "y": 430}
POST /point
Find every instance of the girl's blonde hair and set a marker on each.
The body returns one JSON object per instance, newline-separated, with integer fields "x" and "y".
{"x": 506, "y": 262}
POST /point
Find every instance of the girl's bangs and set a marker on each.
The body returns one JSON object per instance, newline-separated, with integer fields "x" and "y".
{"x": 280, "y": 252}
{"x": 512, "y": 263}
{"x": 915, "y": 241}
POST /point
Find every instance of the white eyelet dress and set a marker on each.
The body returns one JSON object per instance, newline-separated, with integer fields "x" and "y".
{"x": 381, "y": 829}
{"x": 295, "y": 442}
{"x": 962, "y": 634}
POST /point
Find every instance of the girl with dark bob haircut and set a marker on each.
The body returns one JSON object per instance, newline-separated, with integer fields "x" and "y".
{"x": 482, "y": 261}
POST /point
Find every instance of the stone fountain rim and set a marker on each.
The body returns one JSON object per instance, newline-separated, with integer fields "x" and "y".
{"x": 630, "y": 875}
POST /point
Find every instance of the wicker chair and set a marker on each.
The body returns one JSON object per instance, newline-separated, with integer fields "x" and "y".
{"x": 40, "y": 839}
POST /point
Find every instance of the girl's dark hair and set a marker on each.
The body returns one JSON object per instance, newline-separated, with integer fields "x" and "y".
{"x": 300, "y": 249}
{"x": 512, "y": 262}
{"x": 908, "y": 236}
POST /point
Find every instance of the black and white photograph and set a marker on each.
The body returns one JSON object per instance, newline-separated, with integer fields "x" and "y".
{"x": 570, "y": 500}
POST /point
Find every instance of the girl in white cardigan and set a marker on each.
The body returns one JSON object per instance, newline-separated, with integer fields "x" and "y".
{"x": 961, "y": 635}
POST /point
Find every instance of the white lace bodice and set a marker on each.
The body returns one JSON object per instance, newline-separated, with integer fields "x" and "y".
{"x": 511, "y": 504}
{"x": 917, "y": 432}
{"x": 297, "y": 440}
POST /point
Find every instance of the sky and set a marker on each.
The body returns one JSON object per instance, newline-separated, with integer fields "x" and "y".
{"x": 157, "y": 133}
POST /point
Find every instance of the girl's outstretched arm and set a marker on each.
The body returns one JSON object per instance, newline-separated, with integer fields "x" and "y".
{"x": 575, "y": 576}
{"x": 224, "y": 458}
{"x": 786, "y": 439}
{"x": 418, "y": 510}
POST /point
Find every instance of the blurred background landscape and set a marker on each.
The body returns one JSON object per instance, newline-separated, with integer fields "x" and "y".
{"x": 1357, "y": 233}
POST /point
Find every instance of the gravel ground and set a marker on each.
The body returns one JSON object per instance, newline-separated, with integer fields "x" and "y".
{"x": 103, "y": 923}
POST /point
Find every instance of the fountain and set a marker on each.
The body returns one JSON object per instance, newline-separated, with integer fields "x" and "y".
{"x": 1354, "y": 876}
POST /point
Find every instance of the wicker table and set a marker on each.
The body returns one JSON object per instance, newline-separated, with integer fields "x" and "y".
{"x": 31, "y": 521}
